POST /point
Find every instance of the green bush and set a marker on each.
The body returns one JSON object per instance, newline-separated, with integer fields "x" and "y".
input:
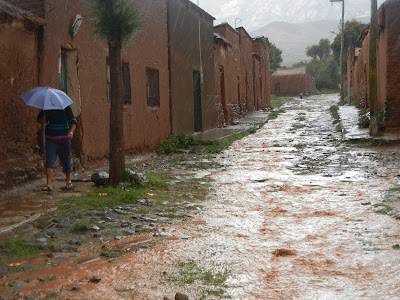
{"x": 174, "y": 142}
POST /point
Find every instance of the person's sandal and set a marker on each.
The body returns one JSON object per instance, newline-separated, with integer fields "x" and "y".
{"x": 46, "y": 189}
{"x": 69, "y": 186}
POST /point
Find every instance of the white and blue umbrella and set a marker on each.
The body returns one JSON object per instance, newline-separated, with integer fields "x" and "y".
{"x": 46, "y": 98}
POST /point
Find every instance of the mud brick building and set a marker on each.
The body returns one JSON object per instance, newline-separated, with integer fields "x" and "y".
{"x": 170, "y": 77}
{"x": 79, "y": 65}
{"x": 354, "y": 88}
{"x": 232, "y": 61}
{"x": 191, "y": 66}
{"x": 247, "y": 99}
{"x": 20, "y": 36}
{"x": 227, "y": 74}
{"x": 357, "y": 71}
{"x": 261, "y": 73}
{"x": 292, "y": 81}
{"x": 76, "y": 62}
{"x": 388, "y": 66}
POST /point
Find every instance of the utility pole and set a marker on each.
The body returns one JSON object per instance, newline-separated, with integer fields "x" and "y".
{"x": 341, "y": 58}
{"x": 237, "y": 20}
{"x": 373, "y": 90}
{"x": 341, "y": 53}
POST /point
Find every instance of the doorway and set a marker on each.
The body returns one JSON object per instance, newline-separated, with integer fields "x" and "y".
{"x": 198, "y": 119}
{"x": 223, "y": 100}
{"x": 69, "y": 83}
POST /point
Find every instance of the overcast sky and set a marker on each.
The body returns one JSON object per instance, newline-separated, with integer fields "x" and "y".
{"x": 253, "y": 14}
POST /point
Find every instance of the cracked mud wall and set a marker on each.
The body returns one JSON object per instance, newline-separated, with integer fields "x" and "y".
{"x": 19, "y": 151}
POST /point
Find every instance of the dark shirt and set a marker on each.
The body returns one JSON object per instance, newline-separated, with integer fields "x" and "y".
{"x": 57, "y": 121}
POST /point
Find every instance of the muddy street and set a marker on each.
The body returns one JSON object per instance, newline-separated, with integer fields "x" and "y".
{"x": 295, "y": 213}
{"x": 293, "y": 216}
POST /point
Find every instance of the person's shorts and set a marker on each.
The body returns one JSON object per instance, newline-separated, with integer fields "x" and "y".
{"x": 62, "y": 148}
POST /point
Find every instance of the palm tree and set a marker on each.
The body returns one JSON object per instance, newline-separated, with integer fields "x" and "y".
{"x": 117, "y": 21}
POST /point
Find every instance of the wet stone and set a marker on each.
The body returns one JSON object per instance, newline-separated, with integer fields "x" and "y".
{"x": 130, "y": 231}
{"x": 30, "y": 231}
{"x": 76, "y": 288}
{"x": 125, "y": 290}
{"x": 146, "y": 202}
{"x": 16, "y": 284}
{"x": 60, "y": 259}
{"x": 180, "y": 296}
{"x": 379, "y": 209}
{"x": 149, "y": 220}
{"x": 94, "y": 228}
{"x": 105, "y": 254}
{"x": 75, "y": 242}
{"x": 162, "y": 234}
{"x": 100, "y": 178}
{"x": 374, "y": 249}
{"x": 59, "y": 220}
{"x": 65, "y": 248}
{"x": 95, "y": 279}
{"x": 63, "y": 225}
{"x": 30, "y": 297}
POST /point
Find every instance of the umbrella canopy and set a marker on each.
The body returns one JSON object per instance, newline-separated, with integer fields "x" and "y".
{"x": 46, "y": 98}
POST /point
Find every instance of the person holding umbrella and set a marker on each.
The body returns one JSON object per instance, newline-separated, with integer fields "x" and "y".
{"x": 59, "y": 131}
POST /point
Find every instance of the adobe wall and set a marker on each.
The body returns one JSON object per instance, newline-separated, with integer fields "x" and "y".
{"x": 188, "y": 53}
{"x": 359, "y": 86}
{"x": 392, "y": 32}
{"x": 227, "y": 68}
{"x": 247, "y": 99}
{"x": 291, "y": 85}
{"x": 350, "y": 73}
{"x": 19, "y": 154}
{"x": 261, "y": 48}
{"x": 257, "y": 85}
{"x": 144, "y": 126}
{"x": 364, "y": 81}
{"x": 388, "y": 66}
{"x": 221, "y": 57}
{"x": 381, "y": 63}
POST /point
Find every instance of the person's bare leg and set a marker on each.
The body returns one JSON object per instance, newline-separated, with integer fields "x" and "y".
{"x": 68, "y": 180}
{"x": 49, "y": 179}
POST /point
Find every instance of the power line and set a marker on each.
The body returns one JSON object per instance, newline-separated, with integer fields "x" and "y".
{"x": 248, "y": 15}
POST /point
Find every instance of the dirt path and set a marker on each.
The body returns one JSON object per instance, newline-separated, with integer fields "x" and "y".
{"x": 292, "y": 217}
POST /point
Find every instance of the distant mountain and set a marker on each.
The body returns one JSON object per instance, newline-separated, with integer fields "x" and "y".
{"x": 253, "y": 14}
{"x": 299, "y": 11}
{"x": 294, "y": 38}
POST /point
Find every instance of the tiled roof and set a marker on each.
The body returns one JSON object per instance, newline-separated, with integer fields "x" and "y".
{"x": 17, "y": 12}
{"x": 36, "y": 7}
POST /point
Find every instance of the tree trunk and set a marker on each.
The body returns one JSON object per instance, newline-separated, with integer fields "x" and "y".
{"x": 117, "y": 153}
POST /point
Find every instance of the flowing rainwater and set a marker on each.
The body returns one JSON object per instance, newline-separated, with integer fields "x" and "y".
{"x": 289, "y": 217}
